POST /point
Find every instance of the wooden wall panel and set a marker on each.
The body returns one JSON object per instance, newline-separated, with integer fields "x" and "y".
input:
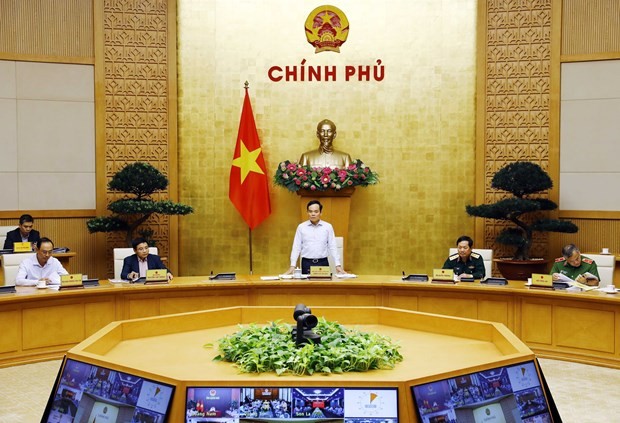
{"x": 593, "y": 235}
{"x": 136, "y": 87}
{"x": 514, "y": 99}
{"x": 590, "y": 27}
{"x": 47, "y": 31}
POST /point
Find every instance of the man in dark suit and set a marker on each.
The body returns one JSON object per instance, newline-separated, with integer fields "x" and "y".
{"x": 23, "y": 233}
{"x": 136, "y": 265}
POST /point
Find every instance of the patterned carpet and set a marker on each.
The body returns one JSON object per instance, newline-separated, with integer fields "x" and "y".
{"x": 582, "y": 393}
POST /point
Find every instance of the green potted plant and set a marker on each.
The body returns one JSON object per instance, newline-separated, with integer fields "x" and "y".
{"x": 138, "y": 180}
{"x": 525, "y": 181}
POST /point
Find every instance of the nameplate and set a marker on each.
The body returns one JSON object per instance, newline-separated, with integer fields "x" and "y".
{"x": 443, "y": 275}
{"x": 320, "y": 272}
{"x": 156, "y": 275}
{"x": 541, "y": 280}
{"x": 22, "y": 247}
{"x": 73, "y": 280}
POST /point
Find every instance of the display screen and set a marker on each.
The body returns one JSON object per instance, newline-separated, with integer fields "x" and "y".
{"x": 85, "y": 392}
{"x": 301, "y": 404}
{"x": 504, "y": 394}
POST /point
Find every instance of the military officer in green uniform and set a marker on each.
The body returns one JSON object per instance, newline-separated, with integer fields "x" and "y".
{"x": 465, "y": 262}
{"x": 573, "y": 265}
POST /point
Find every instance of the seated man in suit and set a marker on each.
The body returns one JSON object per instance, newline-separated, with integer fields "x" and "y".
{"x": 466, "y": 263}
{"x": 23, "y": 233}
{"x": 574, "y": 265}
{"x": 41, "y": 268}
{"x": 136, "y": 265}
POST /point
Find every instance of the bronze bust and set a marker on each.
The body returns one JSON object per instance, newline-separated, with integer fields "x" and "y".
{"x": 325, "y": 155}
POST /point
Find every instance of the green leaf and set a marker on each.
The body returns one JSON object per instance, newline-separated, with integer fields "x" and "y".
{"x": 271, "y": 348}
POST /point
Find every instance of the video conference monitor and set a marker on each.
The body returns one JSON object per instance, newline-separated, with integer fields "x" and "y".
{"x": 299, "y": 404}
{"x": 85, "y": 392}
{"x": 511, "y": 393}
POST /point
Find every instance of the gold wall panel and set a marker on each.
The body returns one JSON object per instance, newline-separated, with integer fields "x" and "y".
{"x": 136, "y": 69}
{"x": 514, "y": 99}
{"x": 590, "y": 27}
{"x": 47, "y": 31}
{"x": 415, "y": 128}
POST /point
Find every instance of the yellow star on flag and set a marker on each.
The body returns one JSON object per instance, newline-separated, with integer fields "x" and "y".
{"x": 246, "y": 161}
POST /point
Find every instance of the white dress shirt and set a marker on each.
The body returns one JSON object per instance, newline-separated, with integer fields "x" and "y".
{"x": 314, "y": 242}
{"x": 30, "y": 271}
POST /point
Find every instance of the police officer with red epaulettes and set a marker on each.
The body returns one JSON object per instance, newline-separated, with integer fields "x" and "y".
{"x": 572, "y": 264}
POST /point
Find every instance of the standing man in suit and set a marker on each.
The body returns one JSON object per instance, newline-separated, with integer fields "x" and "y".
{"x": 23, "y": 233}
{"x": 136, "y": 265}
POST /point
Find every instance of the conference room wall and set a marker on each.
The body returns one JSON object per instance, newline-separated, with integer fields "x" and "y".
{"x": 584, "y": 28}
{"x": 415, "y": 127}
{"x": 591, "y": 38}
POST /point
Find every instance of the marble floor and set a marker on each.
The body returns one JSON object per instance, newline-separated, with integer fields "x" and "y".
{"x": 582, "y": 393}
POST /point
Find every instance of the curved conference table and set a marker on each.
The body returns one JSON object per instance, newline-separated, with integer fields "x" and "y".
{"x": 578, "y": 326}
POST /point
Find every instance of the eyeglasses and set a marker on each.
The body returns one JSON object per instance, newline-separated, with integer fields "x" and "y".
{"x": 46, "y": 253}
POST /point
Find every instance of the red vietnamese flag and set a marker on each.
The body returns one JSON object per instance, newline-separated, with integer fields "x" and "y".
{"x": 249, "y": 190}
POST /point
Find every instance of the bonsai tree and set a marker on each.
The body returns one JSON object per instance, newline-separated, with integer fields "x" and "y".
{"x": 140, "y": 181}
{"x": 521, "y": 179}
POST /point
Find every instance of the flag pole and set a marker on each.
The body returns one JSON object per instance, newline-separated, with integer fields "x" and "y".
{"x": 248, "y": 184}
{"x": 250, "y": 238}
{"x": 246, "y": 85}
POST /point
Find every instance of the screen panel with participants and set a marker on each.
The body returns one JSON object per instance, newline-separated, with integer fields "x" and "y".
{"x": 85, "y": 392}
{"x": 512, "y": 393}
{"x": 296, "y": 404}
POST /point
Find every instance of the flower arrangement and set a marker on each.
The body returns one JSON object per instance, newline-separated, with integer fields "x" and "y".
{"x": 294, "y": 176}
